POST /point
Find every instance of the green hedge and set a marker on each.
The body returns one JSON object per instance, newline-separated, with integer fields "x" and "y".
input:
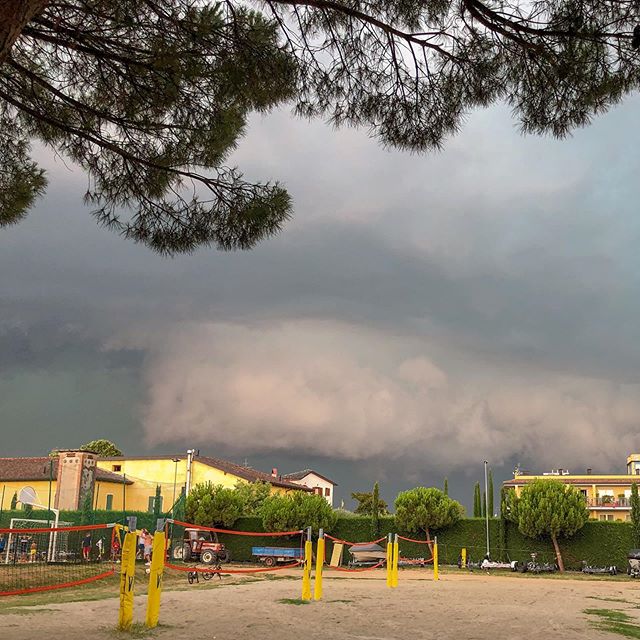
{"x": 145, "y": 519}
{"x": 599, "y": 543}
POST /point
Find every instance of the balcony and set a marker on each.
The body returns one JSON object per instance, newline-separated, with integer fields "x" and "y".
{"x": 609, "y": 502}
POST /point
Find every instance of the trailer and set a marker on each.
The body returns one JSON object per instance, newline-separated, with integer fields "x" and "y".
{"x": 271, "y": 556}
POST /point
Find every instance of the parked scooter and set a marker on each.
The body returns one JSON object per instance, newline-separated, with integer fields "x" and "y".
{"x": 587, "y": 568}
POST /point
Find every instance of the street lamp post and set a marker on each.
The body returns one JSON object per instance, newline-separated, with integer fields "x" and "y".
{"x": 486, "y": 503}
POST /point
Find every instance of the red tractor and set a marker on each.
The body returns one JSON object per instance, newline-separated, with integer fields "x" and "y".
{"x": 201, "y": 545}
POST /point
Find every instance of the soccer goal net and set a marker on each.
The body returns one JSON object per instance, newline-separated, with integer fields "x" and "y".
{"x": 36, "y": 556}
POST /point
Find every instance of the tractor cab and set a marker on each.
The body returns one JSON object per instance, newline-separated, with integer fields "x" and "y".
{"x": 201, "y": 545}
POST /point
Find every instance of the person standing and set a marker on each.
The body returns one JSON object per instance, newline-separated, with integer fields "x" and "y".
{"x": 148, "y": 545}
{"x": 100, "y": 547}
{"x": 86, "y": 547}
{"x": 140, "y": 554}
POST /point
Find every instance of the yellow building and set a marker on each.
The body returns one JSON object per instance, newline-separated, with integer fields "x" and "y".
{"x": 608, "y": 496}
{"x": 40, "y": 474}
{"x": 129, "y": 483}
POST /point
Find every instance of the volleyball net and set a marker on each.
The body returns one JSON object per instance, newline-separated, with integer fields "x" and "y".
{"x": 36, "y": 558}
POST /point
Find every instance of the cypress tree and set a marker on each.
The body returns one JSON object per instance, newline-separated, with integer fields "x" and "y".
{"x": 157, "y": 501}
{"x": 635, "y": 515}
{"x": 484, "y": 505}
{"x": 14, "y": 501}
{"x": 477, "y": 509}
{"x": 491, "y": 511}
{"x": 445, "y": 487}
{"x": 375, "y": 510}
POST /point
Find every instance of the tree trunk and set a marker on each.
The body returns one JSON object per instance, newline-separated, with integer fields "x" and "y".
{"x": 14, "y": 16}
{"x": 558, "y": 554}
{"x": 429, "y": 543}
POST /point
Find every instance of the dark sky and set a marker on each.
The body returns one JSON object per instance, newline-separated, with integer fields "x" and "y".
{"x": 419, "y": 314}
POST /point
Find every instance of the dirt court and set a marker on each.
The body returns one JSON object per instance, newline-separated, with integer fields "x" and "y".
{"x": 468, "y": 606}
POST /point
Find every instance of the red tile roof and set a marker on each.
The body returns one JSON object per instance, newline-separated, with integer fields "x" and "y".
{"x": 246, "y": 473}
{"x": 24, "y": 469}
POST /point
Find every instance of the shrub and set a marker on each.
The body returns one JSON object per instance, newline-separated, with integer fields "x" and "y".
{"x": 213, "y": 505}
{"x": 290, "y": 512}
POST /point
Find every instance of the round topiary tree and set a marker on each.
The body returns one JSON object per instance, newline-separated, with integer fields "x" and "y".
{"x": 549, "y": 508}
{"x": 290, "y": 512}
{"x": 213, "y": 505}
{"x": 422, "y": 510}
{"x": 102, "y": 447}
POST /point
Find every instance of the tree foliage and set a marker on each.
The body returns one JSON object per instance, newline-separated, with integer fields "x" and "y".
{"x": 298, "y": 510}
{"x": 548, "y": 507}
{"x": 477, "y": 507}
{"x": 491, "y": 494}
{"x": 86, "y": 508}
{"x": 635, "y": 515}
{"x": 157, "y": 502}
{"x": 253, "y": 495}
{"x": 102, "y": 447}
{"x": 445, "y": 487}
{"x": 211, "y": 504}
{"x": 151, "y": 97}
{"x": 424, "y": 510}
{"x": 366, "y": 501}
{"x": 14, "y": 501}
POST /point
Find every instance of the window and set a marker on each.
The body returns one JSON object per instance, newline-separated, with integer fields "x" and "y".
{"x": 152, "y": 501}
{"x": 317, "y": 490}
{"x": 606, "y": 516}
{"x": 109, "y": 502}
{"x": 116, "y": 467}
{"x": 327, "y": 491}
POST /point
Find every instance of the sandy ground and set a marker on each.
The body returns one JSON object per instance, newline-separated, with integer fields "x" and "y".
{"x": 459, "y": 606}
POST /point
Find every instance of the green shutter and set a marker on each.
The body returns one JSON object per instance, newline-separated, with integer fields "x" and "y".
{"x": 109, "y": 504}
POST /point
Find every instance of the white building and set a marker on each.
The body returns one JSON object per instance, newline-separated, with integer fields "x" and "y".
{"x": 312, "y": 479}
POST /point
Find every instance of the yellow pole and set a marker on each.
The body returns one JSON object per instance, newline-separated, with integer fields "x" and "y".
{"x": 396, "y": 553}
{"x": 436, "y": 575}
{"x": 317, "y": 585}
{"x": 389, "y": 561}
{"x": 127, "y": 581}
{"x": 306, "y": 571}
{"x": 464, "y": 557}
{"x": 155, "y": 580}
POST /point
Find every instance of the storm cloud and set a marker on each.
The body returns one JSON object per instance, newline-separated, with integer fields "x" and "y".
{"x": 418, "y": 314}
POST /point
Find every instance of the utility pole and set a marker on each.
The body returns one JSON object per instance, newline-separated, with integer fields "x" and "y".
{"x": 190, "y": 453}
{"x": 175, "y": 481}
{"x": 486, "y": 503}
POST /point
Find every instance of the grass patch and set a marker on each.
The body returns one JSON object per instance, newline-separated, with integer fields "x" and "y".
{"x": 342, "y": 601}
{"x": 622, "y": 600}
{"x": 614, "y": 621}
{"x": 137, "y": 630}
{"x": 296, "y": 601}
{"x": 612, "y": 615}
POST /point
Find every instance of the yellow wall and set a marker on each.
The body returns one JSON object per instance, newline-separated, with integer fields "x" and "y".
{"x": 41, "y": 488}
{"x": 147, "y": 474}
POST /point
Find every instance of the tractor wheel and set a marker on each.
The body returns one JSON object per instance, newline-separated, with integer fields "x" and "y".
{"x": 208, "y": 557}
{"x": 224, "y": 555}
{"x": 178, "y": 552}
{"x": 270, "y": 562}
{"x": 186, "y": 553}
